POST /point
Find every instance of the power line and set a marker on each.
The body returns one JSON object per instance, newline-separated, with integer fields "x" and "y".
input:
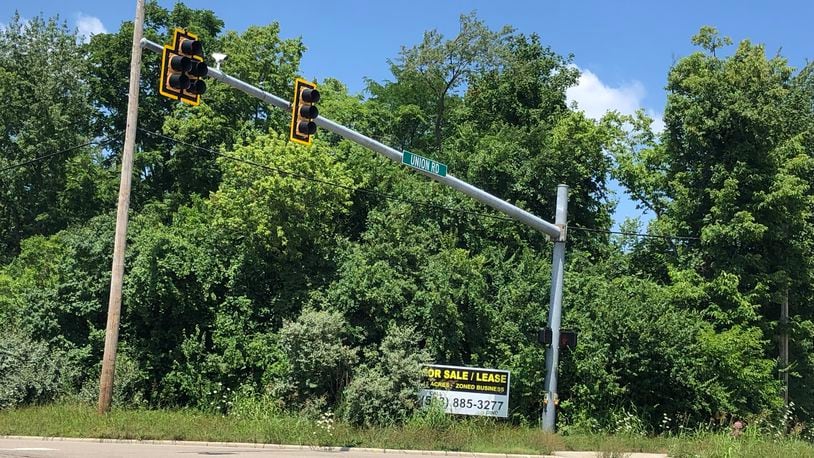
{"x": 329, "y": 183}
{"x": 635, "y": 234}
{"x": 57, "y": 153}
{"x": 391, "y": 196}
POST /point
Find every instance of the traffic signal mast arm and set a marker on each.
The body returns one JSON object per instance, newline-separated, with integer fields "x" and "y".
{"x": 557, "y": 232}
{"x": 554, "y": 231}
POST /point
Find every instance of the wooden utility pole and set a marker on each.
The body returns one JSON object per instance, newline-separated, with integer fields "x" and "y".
{"x": 117, "y": 270}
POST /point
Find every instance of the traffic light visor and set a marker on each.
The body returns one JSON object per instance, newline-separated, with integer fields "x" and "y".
{"x": 199, "y": 69}
{"x": 310, "y": 96}
{"x": 197, "y": 87}
{"x": 179, "y": 81}
{"x": 309, "y": 111}
{"x": 307, "y": 127}
{"x": 181, "y": 63}
{"x": 192, "y": 47}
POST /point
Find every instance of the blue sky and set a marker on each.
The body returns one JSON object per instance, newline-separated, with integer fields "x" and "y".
{"x": 624, "y": 48}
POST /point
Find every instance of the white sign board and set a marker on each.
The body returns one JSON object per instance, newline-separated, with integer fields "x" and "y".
{"x": 467, "y": 390}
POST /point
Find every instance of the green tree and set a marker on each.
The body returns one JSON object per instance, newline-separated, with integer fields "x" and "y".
{"x": 643, "y": 351}
{"x": 428, "y": 78}
{"x": 734, "y": 168}
{"x": 54, "y": 291}
{"x": 207, "y": 290}
{"x": 46, "y": 111}
{"x": 517, "y": 138}
{"x": 280, "y": 207}
{"x": 526, "y": 90}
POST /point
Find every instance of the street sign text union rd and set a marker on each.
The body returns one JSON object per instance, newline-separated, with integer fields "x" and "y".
{"x": 422, "y": 163}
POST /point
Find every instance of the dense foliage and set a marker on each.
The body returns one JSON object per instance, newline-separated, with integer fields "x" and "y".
{"x": 323, "y": 277}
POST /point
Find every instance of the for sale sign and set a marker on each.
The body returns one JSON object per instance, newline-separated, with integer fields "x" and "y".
{"x": 467, "y": 390}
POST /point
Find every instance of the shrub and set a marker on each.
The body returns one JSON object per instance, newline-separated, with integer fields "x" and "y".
{"x": 250, "y": 405}
{"x": 317, "y": 359}
{"x": 29, "y": 370}
{"x": 386, "y": 392}
{"x": 128, "y": 383}
{"x": 640, "y": 351}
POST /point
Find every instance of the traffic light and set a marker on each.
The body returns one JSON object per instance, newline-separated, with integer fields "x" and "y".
{"x": 304, "y": 111}
{"x": 544, "y": 336}
{"x": 568, "y": 338}
{"x": 183, "y": 69}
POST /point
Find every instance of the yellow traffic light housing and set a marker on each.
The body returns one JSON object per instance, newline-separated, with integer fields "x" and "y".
{"x": 304, "y": 111}
{"x": 183, "y": 69}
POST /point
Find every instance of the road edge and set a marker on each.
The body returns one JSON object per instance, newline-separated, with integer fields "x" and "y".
{"x": 276, "y": 446}
{"x": 555, "y": 454}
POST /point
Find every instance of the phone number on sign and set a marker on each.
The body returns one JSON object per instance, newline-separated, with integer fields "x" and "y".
{"x": 462, "y": 403}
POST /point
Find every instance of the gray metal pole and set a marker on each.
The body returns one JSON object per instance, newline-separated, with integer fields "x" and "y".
{"x": 552, "y": 355}
{"x": 784, "y": 344}
{"x": 480, "y": 195}
{"x": 117, "y": 270}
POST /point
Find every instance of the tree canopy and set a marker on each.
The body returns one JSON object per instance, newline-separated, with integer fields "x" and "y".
{"x": 325, "y": 276}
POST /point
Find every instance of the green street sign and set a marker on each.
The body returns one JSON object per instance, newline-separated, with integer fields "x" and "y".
{"x": 422, "y": 163}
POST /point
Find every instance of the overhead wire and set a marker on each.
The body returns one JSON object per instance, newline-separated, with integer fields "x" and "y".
{"x": 329, "y": 183}
{"x": 338, "y": 185}
{"x": 391, "y": 196}
{"x": 634, "y": 234}
{"x": 56, "y": 153}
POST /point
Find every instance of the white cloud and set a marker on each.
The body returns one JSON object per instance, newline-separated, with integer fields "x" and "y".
{"x": 596, "y": 98}
{"x": 89, "y": 26}
{"x": 658, "y": 121}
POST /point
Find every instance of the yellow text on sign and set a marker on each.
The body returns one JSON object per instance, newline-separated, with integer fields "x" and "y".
{"x": 490, "y": 377}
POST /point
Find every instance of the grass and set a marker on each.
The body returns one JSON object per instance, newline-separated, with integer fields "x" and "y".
{"x": 76, "y": 420}
{"x": 724, "y": 446}
{"x": 469, "y": 435}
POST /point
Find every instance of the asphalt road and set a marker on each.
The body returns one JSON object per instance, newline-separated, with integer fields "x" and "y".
{"x": 94, "y": 448}
{"x": 87, "y": 449}
{"x": 37, "y": 448}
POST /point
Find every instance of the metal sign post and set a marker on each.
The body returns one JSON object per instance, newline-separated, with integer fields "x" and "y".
{"x": 552, "y": 355}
